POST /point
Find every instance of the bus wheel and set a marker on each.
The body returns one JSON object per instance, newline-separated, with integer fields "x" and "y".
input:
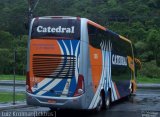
{"x": 108, "y": 100}
{"x": 100, "y": 104}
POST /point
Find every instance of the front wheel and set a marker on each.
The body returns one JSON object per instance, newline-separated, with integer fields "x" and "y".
{"x": 108, "y": 100}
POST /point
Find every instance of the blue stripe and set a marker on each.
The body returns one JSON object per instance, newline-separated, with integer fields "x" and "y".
{"x": 43, "y": 87}
{"x": 58, "y": 88}
{"x": 73, "y": 86}
{"x": 62, "y": 46}
{"x": 74, "y": 44}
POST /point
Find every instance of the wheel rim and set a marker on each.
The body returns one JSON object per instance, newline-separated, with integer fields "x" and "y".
{"x": 107, "y": 102}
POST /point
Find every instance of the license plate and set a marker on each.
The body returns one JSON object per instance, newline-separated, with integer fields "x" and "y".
{"x": 52, "y": 101}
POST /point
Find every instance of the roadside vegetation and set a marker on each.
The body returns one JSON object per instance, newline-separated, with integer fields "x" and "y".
{"x": 8, "y": 97}
{"x": 10, "y": 77}
{"x": 143, "y": 80}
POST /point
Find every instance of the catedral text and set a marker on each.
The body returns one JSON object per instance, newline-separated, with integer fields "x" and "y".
{"x": 119, "y": 60}
{"x": 59, "y": 29}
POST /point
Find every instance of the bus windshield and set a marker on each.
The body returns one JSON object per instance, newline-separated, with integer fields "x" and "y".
{"x": 44, "y": 28}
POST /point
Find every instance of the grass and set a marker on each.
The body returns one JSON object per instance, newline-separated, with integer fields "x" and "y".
{"x": 141, "y": 79}
{"x": 10, "y": 77}
{"x": 8, "y": 97}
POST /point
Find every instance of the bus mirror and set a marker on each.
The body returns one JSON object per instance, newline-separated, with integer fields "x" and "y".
{"x": 138, "y": 63}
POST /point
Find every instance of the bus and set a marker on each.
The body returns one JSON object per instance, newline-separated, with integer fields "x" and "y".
{"x": 75, "y": 63}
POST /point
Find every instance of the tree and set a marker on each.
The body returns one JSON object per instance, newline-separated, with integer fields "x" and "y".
{"x": 153, "y": 41}
{"x": 6, "y": 66}
{"x": 6, "y": 39}
{"x": 21, "y": 53}
{"x": 143, "y": 51}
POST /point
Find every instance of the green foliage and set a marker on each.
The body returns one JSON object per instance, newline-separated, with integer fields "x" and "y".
{"x": 13, "y": 13}
{"x": 153, "y": 41}
{"x": 10, "y": 77}
{"x": 143, "y": 52}
{"x": 8, "y": 45}
{"x": 20, "y": 45}
{"x": 144, "y": 79}
{"x": 8, "y": 96}
{"x": 150, "y": 69}
{"x": 6, "y": 61}
{"x": 6, "y": 39}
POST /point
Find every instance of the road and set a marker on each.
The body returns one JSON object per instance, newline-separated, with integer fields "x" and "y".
{"x": 146, "y": 103}
{"x": 10, "y": 88}
{"x": 7, "y": 86}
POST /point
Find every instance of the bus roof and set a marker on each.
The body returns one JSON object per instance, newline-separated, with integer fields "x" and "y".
{"x": 105, "y": 29}
{"x": 61, "y": 17}
{"x": 121, "y": 37}
{"x": 89, "y": 21}
{"x": 124, "y": 38}
{"x": 96, "y": 25}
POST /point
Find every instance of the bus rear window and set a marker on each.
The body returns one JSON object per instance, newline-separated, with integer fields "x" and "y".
{"x": 56, "y": 28}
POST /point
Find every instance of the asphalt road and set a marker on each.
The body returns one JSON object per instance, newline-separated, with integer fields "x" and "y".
{"x": 10, "y": 88}
{"x": 146, "y": 103}
{"x": 7, "y": 86}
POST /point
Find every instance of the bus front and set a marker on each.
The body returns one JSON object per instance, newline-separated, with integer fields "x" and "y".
{"x": 53, "y": 78}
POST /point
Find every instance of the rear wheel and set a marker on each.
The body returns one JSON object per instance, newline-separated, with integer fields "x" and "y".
{"x": 101, "y": 104}
{"x": 132, "y": 89}
{"x": 108, "y": 100}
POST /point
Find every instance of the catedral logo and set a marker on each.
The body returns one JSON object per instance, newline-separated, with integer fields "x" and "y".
{"x": 119, "y": 60}
{"x": 59, "y": 29}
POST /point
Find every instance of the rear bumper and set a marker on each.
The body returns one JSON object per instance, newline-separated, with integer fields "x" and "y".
{"x": 56, "y": 102}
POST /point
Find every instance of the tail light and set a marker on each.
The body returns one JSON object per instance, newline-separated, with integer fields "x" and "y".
{"x": 80, "y": 86}
{"x": 28, "y": 86}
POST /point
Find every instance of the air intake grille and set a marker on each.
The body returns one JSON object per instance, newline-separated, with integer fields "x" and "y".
{"x": 53, "y": 66}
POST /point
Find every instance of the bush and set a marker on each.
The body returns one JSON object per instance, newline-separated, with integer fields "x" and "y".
{"x": 149, "y": 69}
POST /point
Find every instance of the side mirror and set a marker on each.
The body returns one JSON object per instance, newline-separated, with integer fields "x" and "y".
{"x": 138, "y": 63}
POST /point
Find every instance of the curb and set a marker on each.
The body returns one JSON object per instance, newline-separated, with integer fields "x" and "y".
{"x": 10, "y": 83}
{"x": 2, "y": 108}
{"x": 149, "y": 86}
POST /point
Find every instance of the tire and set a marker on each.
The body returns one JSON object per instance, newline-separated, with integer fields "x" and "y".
{"x": 108, "y": 100}
{"x": 99, "y": 105}
{"x": 132, "y": 88}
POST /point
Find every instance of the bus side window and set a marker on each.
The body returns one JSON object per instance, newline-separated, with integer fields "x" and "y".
{"x": 93, "y": 33}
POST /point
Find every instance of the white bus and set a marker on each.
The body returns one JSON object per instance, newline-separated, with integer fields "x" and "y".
{"x": 75, "y": 63}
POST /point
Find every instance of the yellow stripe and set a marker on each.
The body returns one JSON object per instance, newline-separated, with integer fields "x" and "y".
{"x": 125, "y": 39}
{"x": 96, "y": 25}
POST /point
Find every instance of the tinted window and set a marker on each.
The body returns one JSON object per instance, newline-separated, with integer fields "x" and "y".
{"x": 119, "y": 49}
{"x": 49, "y": 28}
